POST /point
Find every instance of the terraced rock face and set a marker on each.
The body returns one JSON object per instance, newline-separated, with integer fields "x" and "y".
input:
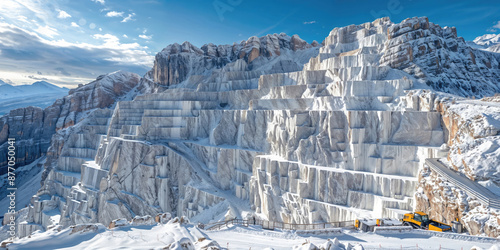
{"x": 239, "y": 130}
{"x": 33, "y": 127}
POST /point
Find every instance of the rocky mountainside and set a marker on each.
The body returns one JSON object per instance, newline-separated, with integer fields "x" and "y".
{"x": 281, "y": 130}
{"x": 440, "y": 59}
{"x": 268, "y": 54}
{"x": 33, "y": 127}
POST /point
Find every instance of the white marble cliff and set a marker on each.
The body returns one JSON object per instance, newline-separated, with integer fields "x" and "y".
{"x": 273, "y": 127}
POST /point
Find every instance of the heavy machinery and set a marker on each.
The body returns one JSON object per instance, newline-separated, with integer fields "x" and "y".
{"x": 421, "y": 220}
{"x": 416, "y": 220}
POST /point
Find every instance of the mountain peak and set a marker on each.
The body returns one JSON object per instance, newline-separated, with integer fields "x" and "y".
{"x": 48, "y": 85}
{"x": 42, "y": 83}
{"x": 175, "y": 63}
{"x": 487, "y": 42}
{"x": 487, "y": 39}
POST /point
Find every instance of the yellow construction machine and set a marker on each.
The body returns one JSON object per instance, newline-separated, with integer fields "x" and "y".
{"x": 421, "y": 220}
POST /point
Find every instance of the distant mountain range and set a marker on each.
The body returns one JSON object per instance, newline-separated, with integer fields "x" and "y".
{"x": 488, "y": 39}
{"x": 488, "y": 42}
{"x": 8, "y": 91}
{"x": 41, "y": 94}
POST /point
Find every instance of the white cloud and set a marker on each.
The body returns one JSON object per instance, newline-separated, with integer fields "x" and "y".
{"x": 22, "y": 19}
{"x": 310, "y": 22}
{"x": 146, "y": 37}
{"x": 67, "y": 61}
{"x": 125, "y": 36}
{"x": 63, "y": 14}
{"x": 34, "y": 9}
{"x": 494, "y": 28}
{"x": 32, "y": 40}
{"x": 47, "y": 31}
{"x": 114, "y": 14}
{"x": 497, "y": 26}
{"x": 107, "y": 38}
{"x": 128, "y": 18}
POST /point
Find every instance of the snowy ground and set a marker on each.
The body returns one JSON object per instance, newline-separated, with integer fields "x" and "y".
{"x": 245, "y": 238}
{"x": 175, "y": 235}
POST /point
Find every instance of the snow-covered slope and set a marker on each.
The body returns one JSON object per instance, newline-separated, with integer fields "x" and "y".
{"x": 185, "y": 236}
{"x": 39, "y": 94}
{"x": 8, "y": 91}
{"x": 487, "y": 42}
{"x": 487, "y": 39}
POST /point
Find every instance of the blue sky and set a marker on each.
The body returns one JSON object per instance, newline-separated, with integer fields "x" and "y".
{"x": 70, "y": 42}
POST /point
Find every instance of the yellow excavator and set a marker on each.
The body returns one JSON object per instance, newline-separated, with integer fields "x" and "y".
{"x": 421, "y": 220}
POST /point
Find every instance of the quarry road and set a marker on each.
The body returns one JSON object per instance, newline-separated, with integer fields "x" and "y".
{"x": 470, "y": 187}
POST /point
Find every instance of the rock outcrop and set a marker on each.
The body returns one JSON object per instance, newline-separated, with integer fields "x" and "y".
{"x": 446, "y": 202}
{"x": 471, "y": 127}
{"x": 32, "y": 128}
{"x": 440, "y": 59}
{"x": 101, "y": 93}
{"x": 176, "y": 63}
